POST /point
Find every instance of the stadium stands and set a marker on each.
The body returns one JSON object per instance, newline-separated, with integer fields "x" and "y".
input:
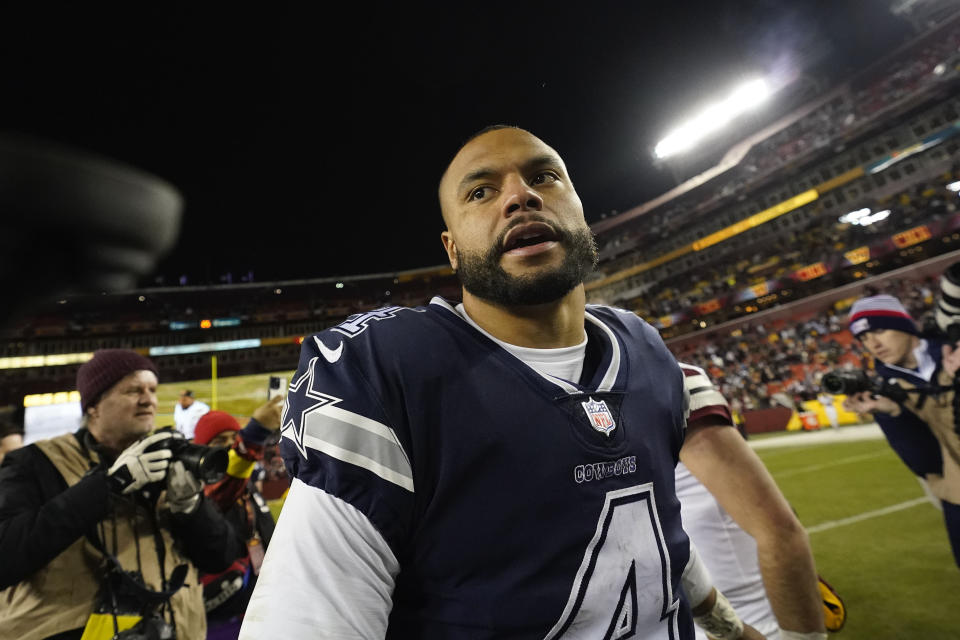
{"x": 763, "y": 226}
{"x": 758, "y": 229}
{"x": 780, "y": 361}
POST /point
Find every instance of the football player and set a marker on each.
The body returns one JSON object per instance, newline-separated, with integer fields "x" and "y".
{"x": 500, "y": 468}
{"x": 754, "y": 546}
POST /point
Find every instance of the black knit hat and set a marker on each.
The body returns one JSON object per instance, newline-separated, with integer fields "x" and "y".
{"x": 107, "y": 368}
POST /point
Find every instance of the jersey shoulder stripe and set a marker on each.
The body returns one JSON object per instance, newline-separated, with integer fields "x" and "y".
{"x": 705, "y": 399}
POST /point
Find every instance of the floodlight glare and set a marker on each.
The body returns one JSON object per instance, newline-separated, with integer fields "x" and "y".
{"x": 877, "y": 217}
{"x": 854, "y": 216}
{"x": 864, "y": 217}
{"x": 716, "y": 116}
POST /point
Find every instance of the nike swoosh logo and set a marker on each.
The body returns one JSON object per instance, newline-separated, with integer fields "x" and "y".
{"x": 330, "y": 355}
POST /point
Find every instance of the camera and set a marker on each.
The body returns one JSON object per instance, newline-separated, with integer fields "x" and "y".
{"x": 207, "y": 464}
{"x": 856, "y": 380}
{"x": 152, "y": 628}
{"x": 947, "y": 314}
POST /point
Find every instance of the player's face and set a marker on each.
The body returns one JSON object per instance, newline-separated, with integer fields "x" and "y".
{"x": 126, "y": 412}
{"x": 516, "y": 233}
{"x": 889, "y": 345}
{"x": 185, "y": 400}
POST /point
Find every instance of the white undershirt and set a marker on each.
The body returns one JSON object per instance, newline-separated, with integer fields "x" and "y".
{"x": 565, "y": 363}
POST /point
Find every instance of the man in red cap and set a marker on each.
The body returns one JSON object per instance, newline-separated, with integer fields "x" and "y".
{"x": 227, "y": 593}
{"x": 101, "y": 530}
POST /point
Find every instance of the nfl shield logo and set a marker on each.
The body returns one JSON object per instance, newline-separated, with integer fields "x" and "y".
{"x": 599, "y": 415}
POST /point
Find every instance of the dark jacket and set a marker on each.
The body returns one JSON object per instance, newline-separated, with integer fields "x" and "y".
{"x": 227, "y": 592}
{"x": 41, "y": 517}
{"x": 923, "y": 434}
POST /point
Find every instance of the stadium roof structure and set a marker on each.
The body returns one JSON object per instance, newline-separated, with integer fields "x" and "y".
{"x": 739, "y": 151}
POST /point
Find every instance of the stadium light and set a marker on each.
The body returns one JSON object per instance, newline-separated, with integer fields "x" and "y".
{"x": 853, "y": 216}
{"x": 877, "y": 217}
{"x": 864, "y": 217}
{"x": 716, "y": 116}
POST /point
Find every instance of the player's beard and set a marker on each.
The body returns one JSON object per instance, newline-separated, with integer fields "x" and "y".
{"x": 482, "y": 275}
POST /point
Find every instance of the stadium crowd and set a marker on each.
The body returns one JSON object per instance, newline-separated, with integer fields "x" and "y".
{"x": 780, "y": 363}
{"x": 851, "y": 109}
{"x": 822, "y": 239}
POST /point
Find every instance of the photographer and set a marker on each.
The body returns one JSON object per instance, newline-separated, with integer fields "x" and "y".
{"x": 105, "y": 529}
{"x": 914, "y": 408}
{"x": 227, "y": 593}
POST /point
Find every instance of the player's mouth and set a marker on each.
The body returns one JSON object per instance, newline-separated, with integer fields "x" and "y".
{"x": 530, "y": 239}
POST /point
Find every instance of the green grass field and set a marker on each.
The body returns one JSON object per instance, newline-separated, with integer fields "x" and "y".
{"x": 238, "y": 395}
{"x": 882, "y": 547}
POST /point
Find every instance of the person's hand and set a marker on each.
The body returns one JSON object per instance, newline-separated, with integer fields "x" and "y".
{"x": 749, "y": 633}
{"x": 136, "y": 467}
{"x": 269, "y": 414}
{"x": 865, "y": 402}
{"x": 951, "y": 359}
{"x": 183, "y": 489}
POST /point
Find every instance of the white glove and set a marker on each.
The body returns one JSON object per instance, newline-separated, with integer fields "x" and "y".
{"x": 136, "y": 467}
{"x": 183, "y": 489}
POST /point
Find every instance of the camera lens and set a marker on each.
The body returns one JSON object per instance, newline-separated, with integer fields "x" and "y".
{"x": 832, "y": 383}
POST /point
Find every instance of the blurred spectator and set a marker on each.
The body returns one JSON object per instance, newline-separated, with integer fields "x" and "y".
{"x": 827, "y": 402}
{"x": 186, "y": 413}
{"x": 226, "y": 593}
{"x": 11, "y": 436}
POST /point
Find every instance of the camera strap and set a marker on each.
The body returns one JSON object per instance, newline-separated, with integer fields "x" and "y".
{"x": 150, "y": 596}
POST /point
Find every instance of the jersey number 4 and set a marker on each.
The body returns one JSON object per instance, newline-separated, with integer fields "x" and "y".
{"x": 623, "y": 588}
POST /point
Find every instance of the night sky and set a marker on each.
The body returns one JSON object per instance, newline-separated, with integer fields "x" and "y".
{"x": 308, "y": 142}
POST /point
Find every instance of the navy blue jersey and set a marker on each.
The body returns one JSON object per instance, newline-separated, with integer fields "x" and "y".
{"x": 518, "y": 505}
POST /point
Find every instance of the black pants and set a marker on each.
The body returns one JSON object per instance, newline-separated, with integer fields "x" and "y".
{"x": 951, "y": 516}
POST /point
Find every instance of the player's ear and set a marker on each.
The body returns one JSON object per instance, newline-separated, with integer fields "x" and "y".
{"x": 450, "y": 246}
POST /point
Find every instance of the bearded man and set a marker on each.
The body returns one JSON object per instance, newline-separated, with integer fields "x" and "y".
{"x": 498, "y": 468}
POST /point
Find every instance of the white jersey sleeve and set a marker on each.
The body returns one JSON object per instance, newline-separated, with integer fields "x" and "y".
{"x": 327, "y": 574}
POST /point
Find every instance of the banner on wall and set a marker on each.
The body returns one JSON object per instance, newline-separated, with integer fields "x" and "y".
{"x": 911, "y": 237}
{"x": 857, "y": 256}
{"x": 811, "y": 272}
{"x": 707, "y": 307}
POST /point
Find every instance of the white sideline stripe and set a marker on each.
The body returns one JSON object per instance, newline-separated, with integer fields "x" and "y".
{"x": 823, "y": 436}
{"x": 839, "y": 461}
{"x": 867, "y": 515}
